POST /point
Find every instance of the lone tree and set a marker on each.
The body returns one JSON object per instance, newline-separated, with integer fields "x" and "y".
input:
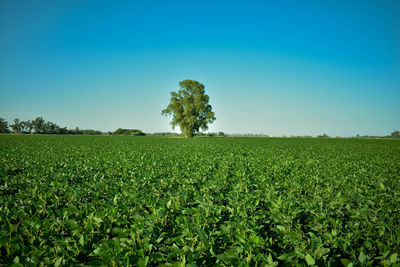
{"x": 189, "y": 108}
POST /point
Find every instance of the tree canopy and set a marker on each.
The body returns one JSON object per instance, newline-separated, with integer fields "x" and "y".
{"x": 4, "y": 126}
{"x": 189, "y": 108}
{"x": 135, "y": 132}
{"x": 395, "y": 134}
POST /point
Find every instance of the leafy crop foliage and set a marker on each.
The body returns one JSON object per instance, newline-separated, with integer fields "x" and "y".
{"x": 116, "y": 200}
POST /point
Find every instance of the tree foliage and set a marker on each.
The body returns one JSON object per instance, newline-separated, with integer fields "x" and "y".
{"x": 189, "y": 108}
{"x": 4, "y": 126}
{"x": 41, "y": 126}
{"x": 16, "y": 127}
{"x": 134, "y": 132}
{"x": 395, "y": 134}
{"x": 323, "y": 136}
{"x": 38, "y": 125}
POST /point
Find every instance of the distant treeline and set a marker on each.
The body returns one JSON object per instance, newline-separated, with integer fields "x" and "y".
{"x": 244, "y": 134}
{"x": 41, "y": 126}
{"x": 395, "y": 134}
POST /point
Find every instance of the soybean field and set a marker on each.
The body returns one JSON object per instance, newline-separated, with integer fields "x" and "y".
{"x": 145, "y": 201}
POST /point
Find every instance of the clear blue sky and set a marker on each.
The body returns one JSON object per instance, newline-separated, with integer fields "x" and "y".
{"x": 274, "y": 67}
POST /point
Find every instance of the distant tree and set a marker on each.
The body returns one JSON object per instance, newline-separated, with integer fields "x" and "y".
{"x": 91, "y": 132}
{"x": 28, "y": 126}
{"x": 120, "y": 131}
{"x": 38, "y": 125}
{"x": 50, "y": 127}
{"x": 4, "y": 126}
{"x": 62, "y": 130}
{"x": 134, "y": 132}
{"x": 16, "y": 127}
{"x": 24, "y": 126}
{"x": 189, "y": 108}
{"x": 323, "y": 136}
{"x": 75, "y": 131}
{"x": 221, "y": 134}
{"x": 395, "y": 134}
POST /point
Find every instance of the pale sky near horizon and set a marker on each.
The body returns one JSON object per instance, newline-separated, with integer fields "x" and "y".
{"x": 279, "y": 68}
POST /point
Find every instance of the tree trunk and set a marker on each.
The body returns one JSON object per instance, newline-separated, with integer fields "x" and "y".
{"x": 189, "y": 134}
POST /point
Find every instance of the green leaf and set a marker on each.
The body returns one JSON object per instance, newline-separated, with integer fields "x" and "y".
{"x": 283, "y": 257}
{"x": 393, "y": 258}
{"x": 345, "y": 262}
{"x": 319, "y": 252}
{"x": 143, "y": 262}
{"x": 309, "y": 259}
{"x": 97, "y": 251}
{"x": 280, "y": 227}
{"x": 362, "y": 257}
{"x": 201, "y": 233}
{"x": 81, "y": 241}
{"x": 58, "y": 262}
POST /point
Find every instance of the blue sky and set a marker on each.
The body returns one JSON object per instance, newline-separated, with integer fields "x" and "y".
{"x": 274, "y": 67}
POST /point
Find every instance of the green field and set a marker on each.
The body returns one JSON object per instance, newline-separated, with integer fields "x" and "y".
{"x": 113, "y": 200}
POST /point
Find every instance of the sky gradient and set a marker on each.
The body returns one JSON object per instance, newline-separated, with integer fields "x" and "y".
{"x": 287, "y": 68}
